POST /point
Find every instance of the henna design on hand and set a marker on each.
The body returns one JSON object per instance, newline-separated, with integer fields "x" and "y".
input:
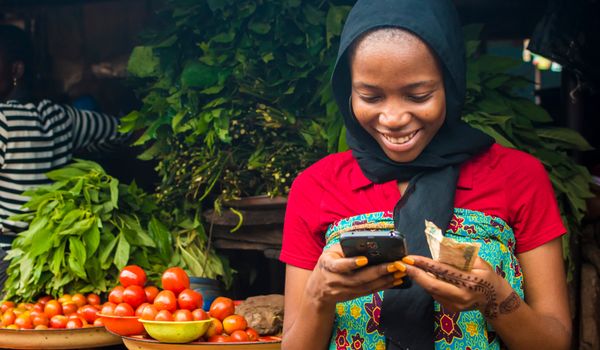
{"x": 476, "y": 284}
{"x": 510, "y": 304}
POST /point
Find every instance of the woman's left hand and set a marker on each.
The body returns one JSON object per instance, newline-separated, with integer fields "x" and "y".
{"x": 456, "y": 290}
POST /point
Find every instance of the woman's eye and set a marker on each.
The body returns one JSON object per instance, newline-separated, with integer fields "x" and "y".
{"x": 370, "y": 99}
{"x": 420, "y": 98}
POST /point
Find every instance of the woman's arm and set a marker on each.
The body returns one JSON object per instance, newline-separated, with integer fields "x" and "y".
{"x": 542, "y": 321}
{"x": 314, "y": 319}
{"x": 310, "y": 296}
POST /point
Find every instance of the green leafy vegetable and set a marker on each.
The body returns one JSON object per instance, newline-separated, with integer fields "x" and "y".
{"x": 81, "y": 241}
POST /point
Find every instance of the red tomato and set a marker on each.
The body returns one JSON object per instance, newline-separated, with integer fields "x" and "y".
{"x": 219, "y": 339}
{"x": 38, "y": 307}
{"x": 215, "y": 328}
{"x": 88, "y": 312}
{"x": 189, "y": 299}
{"x": 252, "y": 334}
{"x": 165, "y": 300}
{"x": 93, "y": 299}
{"x": 138, "y": 310}
{"x": 151, "y": 292}
{"x": 23, "y": 322}
{"x": 52, "y": 308}
{"x": 221, "y": 307}
{"x": 58, "y": 321}
{"x": 108, "y": 308}
{"x": 164, "y": 315}
{"x": 134, "y": 295}
{"x": 132, "y": 275}
{"x": 116, "y": 295}
{"x": 74, "y": 316}
{"x": 74, "y": 323}
{"x": 79, "y": 299}
{"x": 8, "y": 317}
{"x": 65, "y": 298}
{"x": 99, "y": 322}
{"x": 200, "y": 315}
{"x": 149, "y": 312}
{"x": 18, "y": 311}
{"x": 183, "y": 315}
{"x": 43, "y": 300}
{"x": 234, "y": 323}
{"x": 69, "y": 308}
{"x": 124, "y": 309}
{"x": 239, "y": 335}
{"x": 40, "y": 326}
{"x": 5, "y": 306}
{"x": 175, "y": 279}
{"x": 40, "y": 319}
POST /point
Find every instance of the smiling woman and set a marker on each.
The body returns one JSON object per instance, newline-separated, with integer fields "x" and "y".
{"x": 397, "y": 91}
{"x": 399, "y": 82}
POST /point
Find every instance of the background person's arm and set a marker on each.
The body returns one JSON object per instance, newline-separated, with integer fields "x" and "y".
{"x": 94, "y": 131}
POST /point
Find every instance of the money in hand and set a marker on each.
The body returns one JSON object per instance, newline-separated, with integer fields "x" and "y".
{"x": 449, "y": 251}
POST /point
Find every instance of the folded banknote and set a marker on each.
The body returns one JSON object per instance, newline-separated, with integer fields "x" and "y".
{"x": 449, "y": 251}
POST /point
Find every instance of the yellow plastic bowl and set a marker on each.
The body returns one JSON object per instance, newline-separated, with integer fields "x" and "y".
{"x": 176, "y": 331}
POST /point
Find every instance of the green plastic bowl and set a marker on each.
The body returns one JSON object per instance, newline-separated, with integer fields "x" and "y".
{"x": 176, "y": 331}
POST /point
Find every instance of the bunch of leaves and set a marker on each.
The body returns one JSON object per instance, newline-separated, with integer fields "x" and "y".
{"x": 193, "y": 245}
{"x": 494, "y": 106}
{"x": 83, "y": 229}
{"x": 236, "y": 97}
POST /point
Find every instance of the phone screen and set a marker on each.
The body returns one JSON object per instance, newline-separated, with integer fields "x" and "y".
{"x": 377, "y": 246}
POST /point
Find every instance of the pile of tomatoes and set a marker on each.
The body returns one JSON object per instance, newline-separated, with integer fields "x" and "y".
{"x": 175, "y": 302}
{"x": 68, "y": 311}
{"x": 226, "y": 325}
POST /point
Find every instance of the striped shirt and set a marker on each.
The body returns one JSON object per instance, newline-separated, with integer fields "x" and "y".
{"x": 38, "y": 138}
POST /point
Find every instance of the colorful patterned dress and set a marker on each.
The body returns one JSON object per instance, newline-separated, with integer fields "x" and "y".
{"x": 356, "y": 323}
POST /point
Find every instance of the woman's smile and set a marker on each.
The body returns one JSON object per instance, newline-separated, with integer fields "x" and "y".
{"x": 396, "y": 141}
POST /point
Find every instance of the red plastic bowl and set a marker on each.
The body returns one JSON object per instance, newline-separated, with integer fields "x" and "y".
{"x": 122, "y": 325}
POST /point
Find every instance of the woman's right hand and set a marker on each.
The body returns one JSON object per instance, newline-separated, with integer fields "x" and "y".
{"x": 336, "y": 278}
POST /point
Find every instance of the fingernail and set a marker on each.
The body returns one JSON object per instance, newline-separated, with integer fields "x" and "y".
{"x": 408, "y": 260}
{"x": 400, "y": 266}
{"x": 361, "y": 261}
{"x": 397, "y": 282}
{"x": 399, "y": 274}
{"x": 391, "y": 268}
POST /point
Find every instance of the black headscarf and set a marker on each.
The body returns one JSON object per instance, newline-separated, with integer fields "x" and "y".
{"x": 407, "y": 314}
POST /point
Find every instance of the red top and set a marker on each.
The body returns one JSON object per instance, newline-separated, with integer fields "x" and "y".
{"x": 502, "y": 182}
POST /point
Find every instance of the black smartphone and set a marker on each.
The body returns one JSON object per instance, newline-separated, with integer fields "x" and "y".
{"x": 378, "y": 246}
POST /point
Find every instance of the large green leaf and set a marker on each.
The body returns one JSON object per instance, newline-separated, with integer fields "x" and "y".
{"x": 199, "y": 75}
{"x": 142, "y": 62}
{"x": 568, "y": 137}
{"x": 122, "y": 252}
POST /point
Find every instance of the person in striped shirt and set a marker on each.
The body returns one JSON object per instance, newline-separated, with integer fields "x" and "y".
{"x": 36, "y": 136}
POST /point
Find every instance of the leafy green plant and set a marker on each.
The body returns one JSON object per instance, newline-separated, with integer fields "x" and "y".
{"x": 494, "y": 107}
{"x": 236, "y": 95}
{"x": 84, "y": 228}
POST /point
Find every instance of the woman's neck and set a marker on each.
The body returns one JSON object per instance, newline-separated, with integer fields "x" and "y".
{"x": 402, "y": 187}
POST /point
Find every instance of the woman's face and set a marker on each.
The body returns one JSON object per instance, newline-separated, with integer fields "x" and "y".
{"x": 398, "y": 94}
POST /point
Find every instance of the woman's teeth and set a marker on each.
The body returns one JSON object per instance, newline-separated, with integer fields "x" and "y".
{"x": 400, "y": 140}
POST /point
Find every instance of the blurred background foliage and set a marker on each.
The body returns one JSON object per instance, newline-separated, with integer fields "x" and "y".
{"x": 236, "y": 101}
